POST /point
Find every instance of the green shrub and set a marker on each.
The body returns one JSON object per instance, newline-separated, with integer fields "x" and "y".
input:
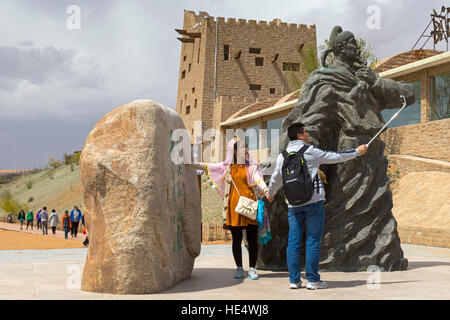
{"x": 51, "y": 173}
{"x": 29, "y": 183}
{"x": 11, "y": 206}
{"x": 52, "y": 163}
{"x": 76, "y": 157}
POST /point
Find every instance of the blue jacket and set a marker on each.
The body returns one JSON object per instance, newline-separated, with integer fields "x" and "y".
{"x": 80, "y": 216}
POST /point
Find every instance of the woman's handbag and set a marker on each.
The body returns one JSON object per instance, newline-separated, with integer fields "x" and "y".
{"x": 246, "y": 206}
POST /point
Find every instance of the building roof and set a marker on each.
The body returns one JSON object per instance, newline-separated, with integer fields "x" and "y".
{"x": 254, "y": 107}
{"x": 404, "y": 58}
{"x": 432, "y": 58}
{"x": 417, "y": 65}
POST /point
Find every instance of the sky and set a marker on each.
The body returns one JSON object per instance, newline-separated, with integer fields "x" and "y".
{"x": 57, "y": 82}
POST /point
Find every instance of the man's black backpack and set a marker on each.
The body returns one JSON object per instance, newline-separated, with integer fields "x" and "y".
{"x": 297, "y": 184}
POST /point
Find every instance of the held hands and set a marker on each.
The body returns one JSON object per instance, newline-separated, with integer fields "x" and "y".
{"x": 269, "y": 197}
{"x": 362, "y": 149}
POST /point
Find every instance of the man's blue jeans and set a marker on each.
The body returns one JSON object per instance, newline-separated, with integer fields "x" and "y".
{"x": 311, "y": 215}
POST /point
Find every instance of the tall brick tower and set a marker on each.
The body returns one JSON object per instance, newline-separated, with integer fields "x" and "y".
{"x": 235, "y": 61}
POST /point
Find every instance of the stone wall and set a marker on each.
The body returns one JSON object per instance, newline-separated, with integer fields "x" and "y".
{"x": 426, "y": 140}
{"x": 425, "y": 236}
{"x": 234, "y": 76}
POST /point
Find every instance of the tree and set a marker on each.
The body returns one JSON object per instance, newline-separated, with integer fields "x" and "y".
{"x": 11, "y": 206}
{"x": 366, "y": 52}
{"x": 52, "y": 163}
{"x": 76, "y": 157}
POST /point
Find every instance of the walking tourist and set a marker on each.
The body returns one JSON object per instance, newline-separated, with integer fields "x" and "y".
{"x": 38, "y": 218}
{"x": 66, "y": 223}
{"x": 21, "y": 218}
{"x": 54, "y": 220}
{"x": 43, "y": 215}
{"x": 30, "y": 219}
{"x": 75, "y": 217}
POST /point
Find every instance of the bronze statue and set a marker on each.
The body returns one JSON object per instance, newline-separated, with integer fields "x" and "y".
{"x": 341, "y": 107}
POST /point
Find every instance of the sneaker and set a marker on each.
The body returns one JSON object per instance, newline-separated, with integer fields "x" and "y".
{"x": 295, "y": 285}
{"x": 317, "y": 285}
{"x": 239, "y": 273}
{"x": 252, "y": 274}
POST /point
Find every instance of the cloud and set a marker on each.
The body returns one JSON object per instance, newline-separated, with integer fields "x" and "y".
{"x": 36, "y": 65}
{"x": 402, "y": 22}
{"x": 63, "y": 81}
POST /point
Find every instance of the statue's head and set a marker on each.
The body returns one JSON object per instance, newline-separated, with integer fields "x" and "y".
{"x": 344, "y": 46}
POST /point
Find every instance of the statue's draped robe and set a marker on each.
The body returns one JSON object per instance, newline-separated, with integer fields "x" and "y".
{"x": 360, "y": 229}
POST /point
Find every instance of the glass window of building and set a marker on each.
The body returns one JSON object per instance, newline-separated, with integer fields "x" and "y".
{"x": 409, "y": 115}
{"x": 274, "y": 124}
{"x": 252, "y": 138}
{"x": 440, "y": 96}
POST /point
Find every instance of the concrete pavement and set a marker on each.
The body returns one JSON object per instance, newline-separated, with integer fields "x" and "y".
{"x": 56, "y": 274}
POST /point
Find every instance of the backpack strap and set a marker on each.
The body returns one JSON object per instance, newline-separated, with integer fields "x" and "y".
{"x": 303, "y": 149}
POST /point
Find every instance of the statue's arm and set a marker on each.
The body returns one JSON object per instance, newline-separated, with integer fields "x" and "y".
{"x": 387, "y": 92}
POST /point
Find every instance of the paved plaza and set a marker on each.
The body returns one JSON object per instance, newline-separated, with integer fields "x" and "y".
{"x": 55, "y": 274}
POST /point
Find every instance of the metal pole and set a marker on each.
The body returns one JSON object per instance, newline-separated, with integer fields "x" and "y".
{"x": 393, "y": 117}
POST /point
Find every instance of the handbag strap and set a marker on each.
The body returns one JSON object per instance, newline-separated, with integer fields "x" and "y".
{"x": 234, "y": 185}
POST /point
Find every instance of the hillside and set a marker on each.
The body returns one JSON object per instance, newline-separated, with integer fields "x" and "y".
{"x": 414, "y": 205}
{"x": 65, "y": 190}
{"x": 56, "y": 189}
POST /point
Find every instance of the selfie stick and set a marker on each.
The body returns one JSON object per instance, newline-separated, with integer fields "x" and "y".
{"x": 393, "y": 117}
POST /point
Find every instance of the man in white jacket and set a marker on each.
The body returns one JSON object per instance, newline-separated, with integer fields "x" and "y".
{"x": 310, "y": 213}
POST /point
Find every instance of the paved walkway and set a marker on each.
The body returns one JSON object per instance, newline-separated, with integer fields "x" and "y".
{"x": 59, "y": 233}
{"x": 56, "y": 274}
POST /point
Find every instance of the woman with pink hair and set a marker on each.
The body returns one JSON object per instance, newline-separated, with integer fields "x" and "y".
{"x": 239, "y": 175}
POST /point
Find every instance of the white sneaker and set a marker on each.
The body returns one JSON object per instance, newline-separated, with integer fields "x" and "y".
{"x": 317, "y": 285}
{"x": 252, "y": 274}
{"x": 295, "y": 285}
{"x": 239, "y": 273}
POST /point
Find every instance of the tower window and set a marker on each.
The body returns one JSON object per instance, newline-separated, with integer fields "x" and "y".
{"x": 272, "y": 90}
{"x": 189, "y": 68}
{"x": 184, "y": 58}
{"x": 254, "y": 50}
{"x": 259, "y": 61}
{"x": 195, "y": 103}
{"x": 255, "y": 87}
{"x": 183, "y": 74}
{"x": 188, "y": 110}
{"x": 226, "y": 52}
{"x": 193, "y": 90}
